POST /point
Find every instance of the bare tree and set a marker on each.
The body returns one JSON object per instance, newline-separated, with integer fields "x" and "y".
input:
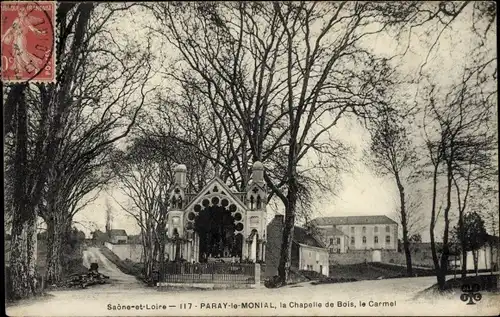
{"x": 457, "y": 128}
{"x": 286, "y": 73}
{"x": 72, "y": 124}
{"x": 393, "y": 154}
{"x": 108, "y": 91}
{"x": 473, "y": 168}
{"x": 146, "y": 183}
{"x": 34, "y": 159}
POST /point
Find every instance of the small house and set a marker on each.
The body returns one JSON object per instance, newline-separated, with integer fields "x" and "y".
{"x": 117, "y": 236}
{"x": 308, "y": 252}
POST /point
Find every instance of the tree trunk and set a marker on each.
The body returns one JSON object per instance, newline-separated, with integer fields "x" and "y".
{"x": 444, "y": 268}
{"x": 463, "y": 243}
{"x": 404, "y": 224}
{"x": 286, "y": 244}
{"x": 409, "y": 267}
{"x": 286, "y": 247}
{"x": 58, "y": 231}
{"x": 435, "y": 259}
{"x": 475, "y": 257}
{"x": 464, "y": 260}
{"x": 441, "y": 278}
{"x": 22, "y": 264}
{"x": 54, "y": 253}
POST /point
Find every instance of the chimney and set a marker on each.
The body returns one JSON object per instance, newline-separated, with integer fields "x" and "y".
{"x": 180, "y": 175}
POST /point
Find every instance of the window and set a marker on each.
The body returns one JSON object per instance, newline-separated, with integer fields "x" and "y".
{"x": 387, "y": 239}
{"x": 364, "y": 239}
{"x": 352, "y": 229}
{"x": 375, "y": 239}
{"x": 376, "y": 229}
{"x": 352, "y": 240}
{"x": 387, "y": 229}
{"x": 338, "y": 240}
{"x": 338, "y": 250}
{"x": 364, "y": 229}
{"x": 331, "y": 250}
{"x": 331, "y": 240}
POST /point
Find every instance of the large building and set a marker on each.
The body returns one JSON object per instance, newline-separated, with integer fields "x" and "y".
{"x": 216, "y": 223}
{"x": 341, "y": 234}
{"x": 308, "y": 252}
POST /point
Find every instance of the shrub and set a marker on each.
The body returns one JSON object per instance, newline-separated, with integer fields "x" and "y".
{"x": 332, "y": 280}
{"x": 311, "y": 275}
{"x": 272, "y": 282}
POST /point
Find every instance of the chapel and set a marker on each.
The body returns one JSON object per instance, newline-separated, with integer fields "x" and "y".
{"x": 216, "y": 223}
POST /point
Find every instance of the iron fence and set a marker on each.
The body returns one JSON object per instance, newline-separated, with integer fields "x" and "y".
{"x": 222, "y": 273}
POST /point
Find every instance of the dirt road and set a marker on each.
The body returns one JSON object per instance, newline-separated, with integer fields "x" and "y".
{"x": 127, "y": 299}
{"x": 117, "y": 278}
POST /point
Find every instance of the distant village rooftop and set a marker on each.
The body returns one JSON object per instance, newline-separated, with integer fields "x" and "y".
{"x": 117, "y": 232}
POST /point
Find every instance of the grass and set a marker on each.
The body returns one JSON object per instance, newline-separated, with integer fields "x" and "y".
{"x": 486, "y": 283}
{"x": 394, "y": 271}
{"x": 361, "y": 271}
{"x": 368, "y": 271}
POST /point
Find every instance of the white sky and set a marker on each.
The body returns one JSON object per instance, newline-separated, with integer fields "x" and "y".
{"x": 363, "y": 193}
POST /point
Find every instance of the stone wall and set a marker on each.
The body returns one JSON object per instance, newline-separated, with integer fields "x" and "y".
{"x": 419, "y": 258}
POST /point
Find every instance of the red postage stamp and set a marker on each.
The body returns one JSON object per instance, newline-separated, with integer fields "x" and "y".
{"x": 28, "y": 48}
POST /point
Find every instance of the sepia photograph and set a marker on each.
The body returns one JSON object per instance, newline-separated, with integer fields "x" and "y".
{"x": 250, "y": 158}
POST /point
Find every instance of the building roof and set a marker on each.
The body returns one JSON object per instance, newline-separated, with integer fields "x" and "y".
{"x": 337, "y": 232}
{"x": 117, "y": 232}
{"x": 353, "y": 220}
{"x": 300, "y": 235}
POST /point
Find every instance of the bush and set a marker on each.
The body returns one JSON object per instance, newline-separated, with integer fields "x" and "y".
{"x": 311, "y": 275}
{"x": 332, "y": 280}
{"x": 272, "y": 282}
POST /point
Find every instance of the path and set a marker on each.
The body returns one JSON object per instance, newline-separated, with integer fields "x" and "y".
{"x": 117, "y": 279}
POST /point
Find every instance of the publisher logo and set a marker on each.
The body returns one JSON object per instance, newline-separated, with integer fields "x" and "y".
{"x": 470, "y": 294}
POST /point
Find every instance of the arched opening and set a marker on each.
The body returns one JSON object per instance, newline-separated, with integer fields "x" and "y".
{"x": 215, "y": 227}
{"x": 259, "y": 202}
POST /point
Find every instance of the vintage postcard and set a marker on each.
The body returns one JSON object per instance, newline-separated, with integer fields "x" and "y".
{"x": 250, "y": 158}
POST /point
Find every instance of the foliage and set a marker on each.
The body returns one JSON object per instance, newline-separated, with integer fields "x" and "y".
{"x": 474, "y": 232}
{"x": 415, "y": 238}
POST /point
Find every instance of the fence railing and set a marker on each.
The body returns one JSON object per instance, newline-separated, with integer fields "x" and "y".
{"x": 223, "y": 273}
